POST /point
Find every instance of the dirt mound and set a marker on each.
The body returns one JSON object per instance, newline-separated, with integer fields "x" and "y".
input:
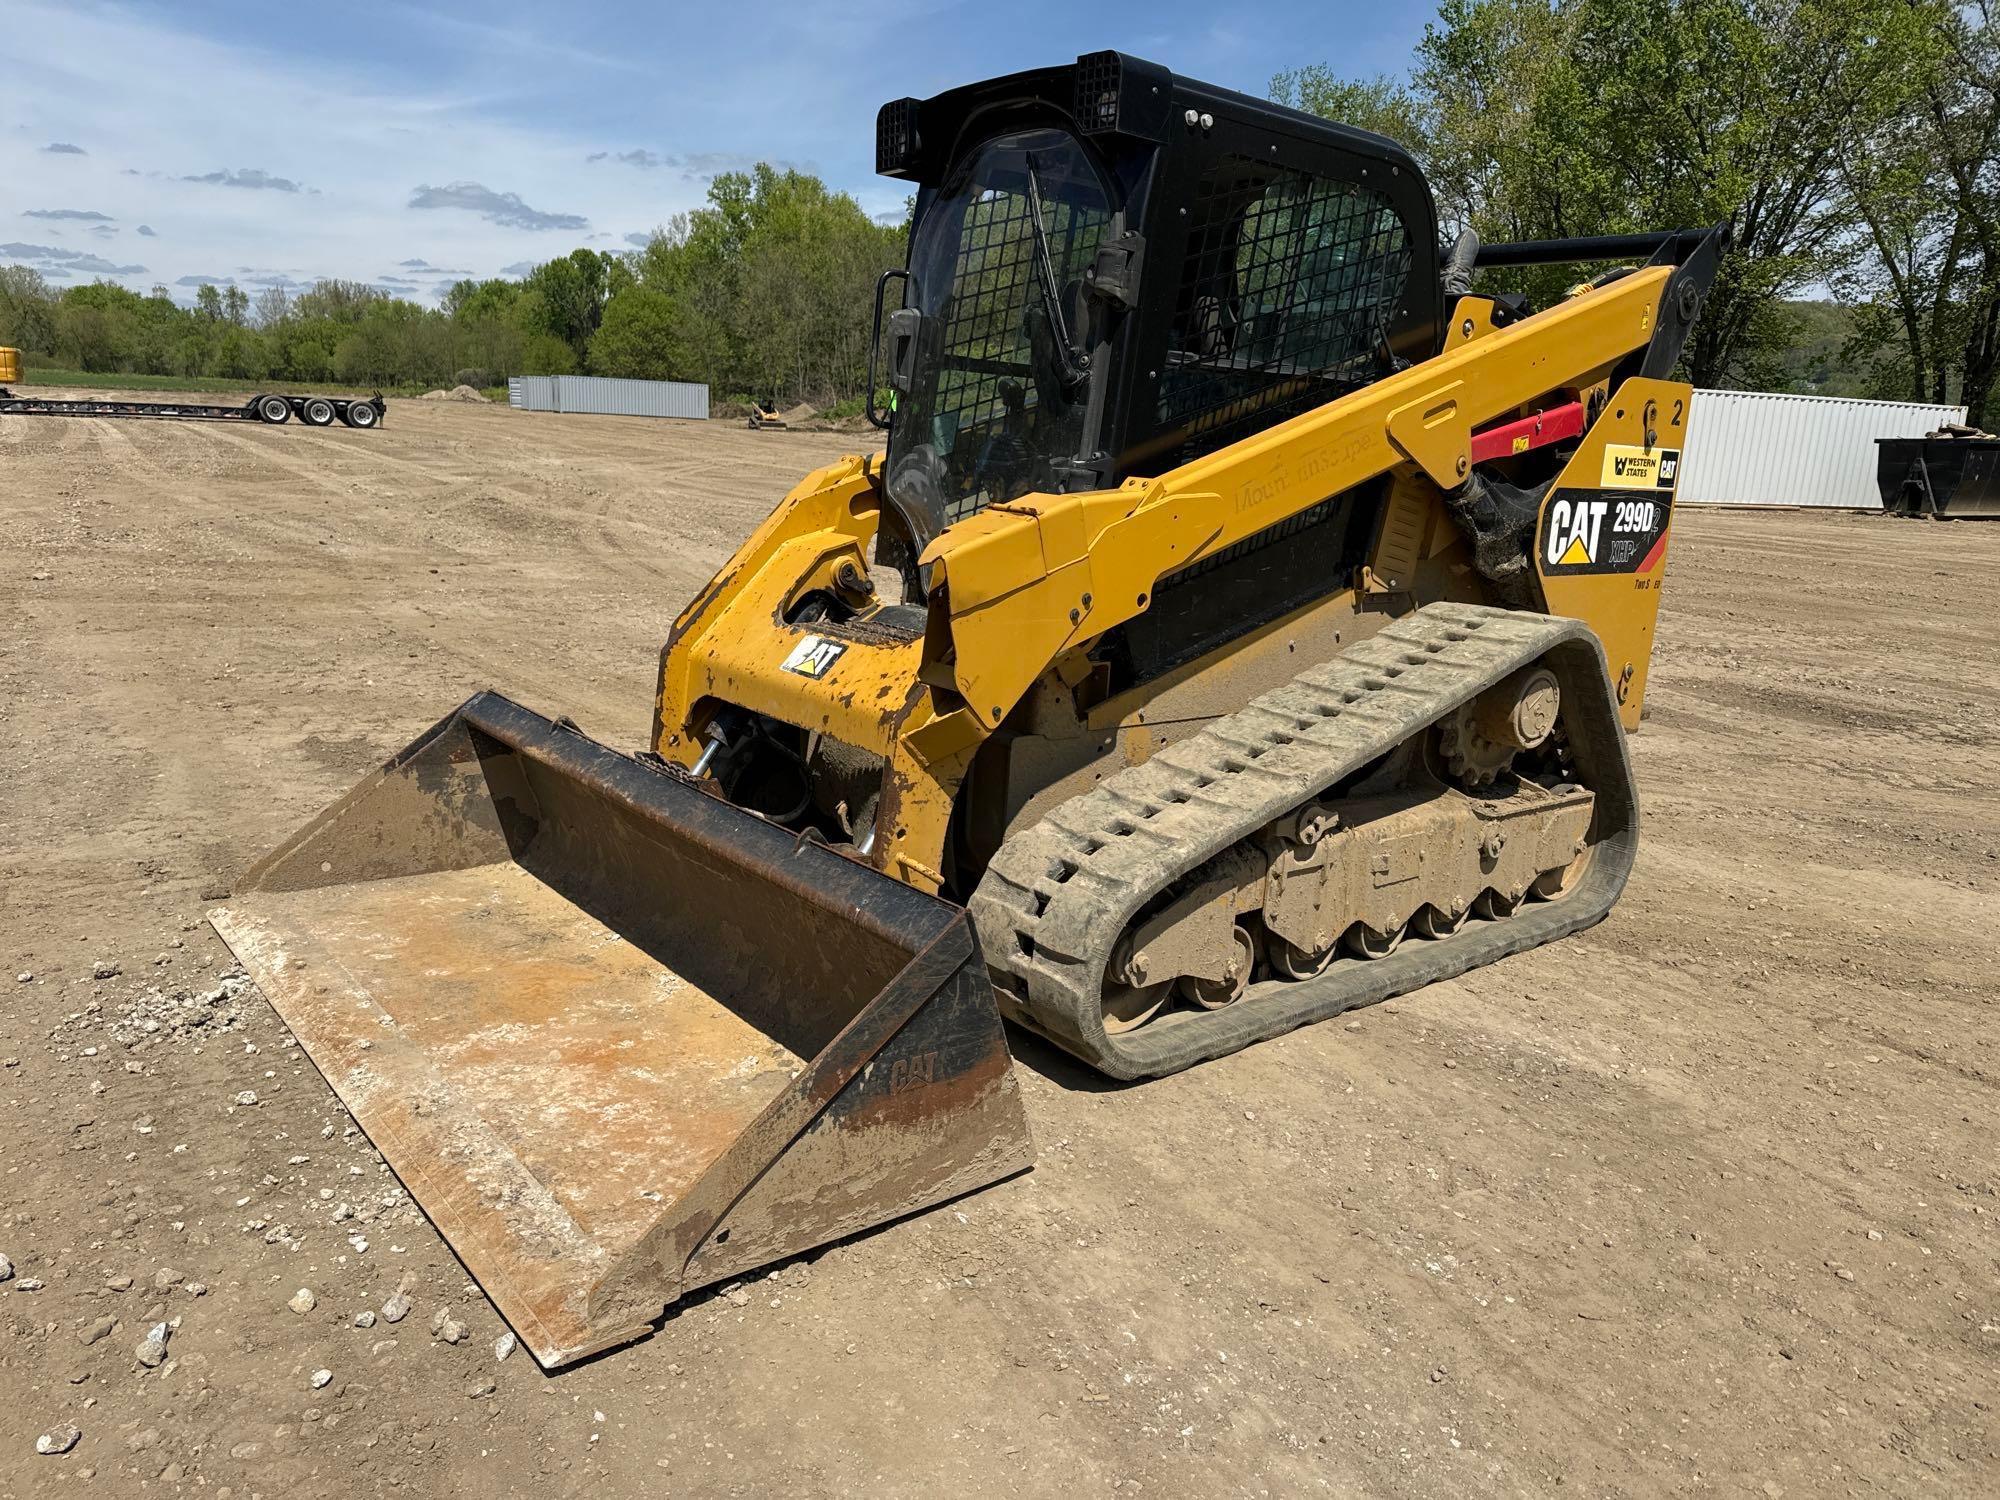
{"x": 456, "y": 393}
{"x": 799, "y": 415}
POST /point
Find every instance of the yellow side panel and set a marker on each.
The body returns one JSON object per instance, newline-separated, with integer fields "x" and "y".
{"x": 1601, "y": 541}
{"x": 10, "y": 366}
{"x": 1028, "y": 579}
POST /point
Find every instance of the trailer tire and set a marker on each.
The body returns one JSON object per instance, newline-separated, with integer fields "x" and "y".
{"x": 362, "y": 414}
{"x": 273, "y": 409}
{"x": 318, "y": 412}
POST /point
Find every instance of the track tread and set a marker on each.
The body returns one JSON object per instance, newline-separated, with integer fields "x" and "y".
{"x": 1049, "y": 941}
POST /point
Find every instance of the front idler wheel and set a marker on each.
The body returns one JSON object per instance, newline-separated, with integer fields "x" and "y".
{"x": 1130, "y": 1006}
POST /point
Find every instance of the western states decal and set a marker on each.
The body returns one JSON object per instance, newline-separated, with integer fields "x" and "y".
{"x": 1604, "y": 531}
{"x": 1629, "y": 468}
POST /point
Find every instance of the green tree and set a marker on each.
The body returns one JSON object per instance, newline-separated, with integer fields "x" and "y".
{"x": 1926, "y": 190}
{"x": 639, "y": 338}
{"x": 545, "y": 354}
{"x": 475, "y": 300}
{"x": 240, "y": 355}
{"x": 1552, "y": 118}
{"x": 336, "y": 301}
{"x": 773, "y": 285}
{"x": 1380, "y": 104}
{"x": 27, "y": 311}
{"x": 565, "y": 297}
{"x": 99, "y": 327}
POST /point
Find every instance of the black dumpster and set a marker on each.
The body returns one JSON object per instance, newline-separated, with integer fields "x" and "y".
{"x": 1948, "y": 474}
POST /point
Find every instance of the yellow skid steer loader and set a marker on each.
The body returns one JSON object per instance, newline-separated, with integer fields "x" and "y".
{"x": 1242, "y": 625}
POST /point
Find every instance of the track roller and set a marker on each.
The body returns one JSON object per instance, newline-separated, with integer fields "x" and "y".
{"x": 1212, "y": 827}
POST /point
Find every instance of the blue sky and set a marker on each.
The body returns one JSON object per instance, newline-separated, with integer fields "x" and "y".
{"x": 409, "y": 144}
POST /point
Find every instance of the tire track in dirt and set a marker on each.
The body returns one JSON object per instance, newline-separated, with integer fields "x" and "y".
{"x": 610, "y": 542}
{"x": 119, "y": 449}
{"x": 320, "y": 440}
{"x": 79, "y": 437}
{"x": 287, "y": 465}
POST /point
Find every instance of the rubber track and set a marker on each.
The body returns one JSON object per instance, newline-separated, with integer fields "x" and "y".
{"x": 1058, "y": 895}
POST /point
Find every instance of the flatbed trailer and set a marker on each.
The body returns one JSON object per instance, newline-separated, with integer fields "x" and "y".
{"x": 314, "y": 411}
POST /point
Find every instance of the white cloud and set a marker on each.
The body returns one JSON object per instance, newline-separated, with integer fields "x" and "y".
{"x": 504, "y": 209}
{"x": 692, "y": 166}
{"x": 55, "y": 260}
{"x": 641, "y": 158}
{"x": 247, "y": 177}
{"x": 359, "y": 140}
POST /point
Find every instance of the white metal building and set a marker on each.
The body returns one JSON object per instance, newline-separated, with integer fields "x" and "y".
{"x": 1767, "y": 448}
{"x": 605, "y": 397}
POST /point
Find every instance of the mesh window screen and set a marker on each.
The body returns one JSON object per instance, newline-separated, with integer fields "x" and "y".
{"x": 1285, "y": 298}
{"x": 989, "y": 337}
{"x": 990, "y": 406}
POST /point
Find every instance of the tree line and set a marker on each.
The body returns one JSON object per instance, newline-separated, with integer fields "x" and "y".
{"x": 767, "y": 290}
{"x": 1849, "y": 144}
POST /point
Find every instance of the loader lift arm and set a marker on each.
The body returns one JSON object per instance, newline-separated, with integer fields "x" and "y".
{"x": 1026, "y": 578}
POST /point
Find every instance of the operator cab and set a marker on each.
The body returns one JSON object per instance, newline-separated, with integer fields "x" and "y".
{"x": 1113, "y": 270}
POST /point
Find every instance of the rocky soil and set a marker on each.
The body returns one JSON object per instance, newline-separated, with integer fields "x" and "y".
{"x": 1700, "y": 1202}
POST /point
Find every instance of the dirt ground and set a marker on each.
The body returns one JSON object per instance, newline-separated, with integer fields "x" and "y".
{"x": 1702, "y": 1201}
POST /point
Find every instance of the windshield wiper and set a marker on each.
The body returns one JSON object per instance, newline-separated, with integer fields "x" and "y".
{"x": 1072, "y": 363}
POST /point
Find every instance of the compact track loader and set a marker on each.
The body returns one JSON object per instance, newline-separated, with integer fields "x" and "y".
{"x": 1243, "y": 625}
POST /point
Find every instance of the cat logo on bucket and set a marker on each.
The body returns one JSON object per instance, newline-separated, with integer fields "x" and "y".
{"x": 812, "y": 656}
